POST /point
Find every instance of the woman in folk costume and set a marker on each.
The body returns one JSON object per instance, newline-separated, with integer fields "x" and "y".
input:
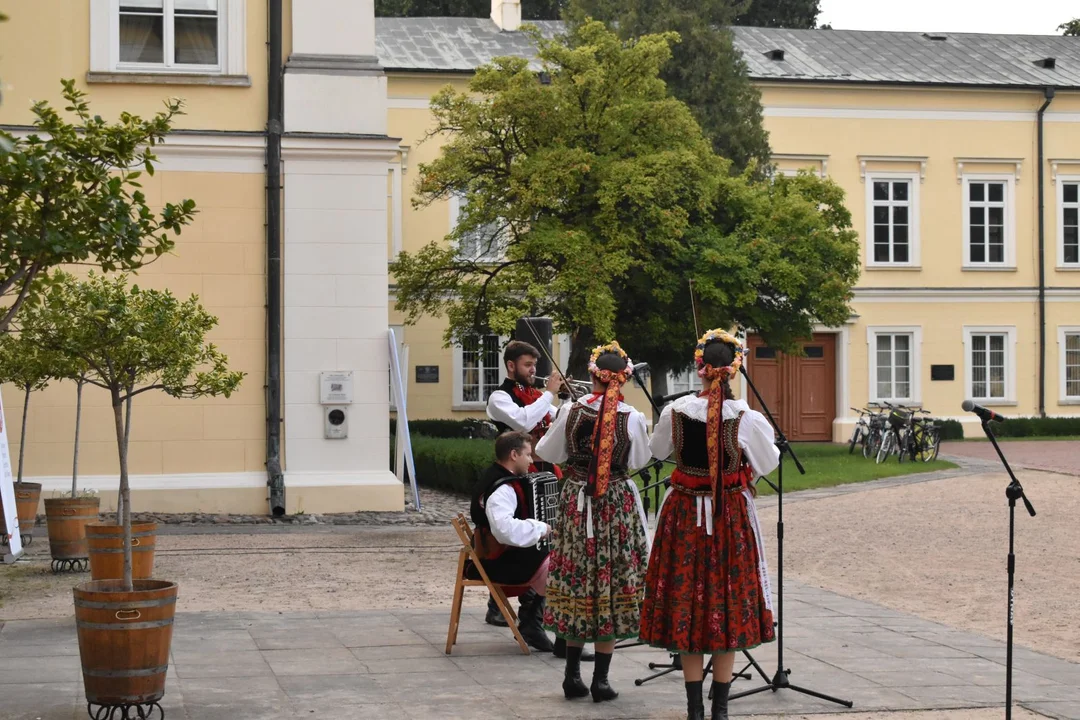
{"x": 597, "y": 561}
{"x": 707, "y": 589}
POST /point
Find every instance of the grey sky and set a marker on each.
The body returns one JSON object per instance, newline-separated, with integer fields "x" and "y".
{"x": 1033, "y": 17}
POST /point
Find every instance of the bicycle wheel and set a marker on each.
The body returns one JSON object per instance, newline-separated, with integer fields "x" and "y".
{"x": 935, "y": 444}
{"x": 886, "y": 448}
{"x": 905, "y": 450}
{"x": 872, "y": 444}
{"x": 856, "y": 434}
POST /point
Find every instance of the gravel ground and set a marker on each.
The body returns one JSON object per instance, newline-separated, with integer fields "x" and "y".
{"x": 936, "y": 549}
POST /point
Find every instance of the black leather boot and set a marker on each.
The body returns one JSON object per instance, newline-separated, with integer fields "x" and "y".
{"x": 719, "y": 700}
{"x": 695, "y": 706}
{"x": 494, "y": 615}
{"x": 530, "y": 623}
{"x": 600, "y": 688}
{"x": 560, "y": 651}
{"x": 572, "y": 685}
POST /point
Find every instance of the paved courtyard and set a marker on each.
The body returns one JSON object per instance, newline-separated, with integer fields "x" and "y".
{"x": 1059, "y": 456}
{"x": 390, "y": 664}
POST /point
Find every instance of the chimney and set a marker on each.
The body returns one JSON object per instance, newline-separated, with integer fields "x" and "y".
{"x": 506, "y": 14}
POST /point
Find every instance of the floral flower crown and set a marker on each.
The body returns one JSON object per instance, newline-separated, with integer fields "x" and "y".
{"x": 607, "y": 376}
{"x": 703, "y": 370}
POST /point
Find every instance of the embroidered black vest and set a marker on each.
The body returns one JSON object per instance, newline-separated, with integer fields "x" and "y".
{"x": 691, "y": 451}
{"x": 579, "y": 428}
{"x": 506, "y": 565}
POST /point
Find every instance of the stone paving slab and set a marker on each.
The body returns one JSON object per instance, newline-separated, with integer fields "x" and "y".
{"x": 391, "y": 664}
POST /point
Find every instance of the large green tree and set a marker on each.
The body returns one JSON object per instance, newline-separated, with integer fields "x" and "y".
{"x": 593, "y": 198}
{"x": 530, "y": 9}
{"x": 1071, "y": 28}
{"x": 706, "y": 70}
{"x": 69, "y": 194}
{"x": 796, "y": 14}
{"x": 565, "y": 187}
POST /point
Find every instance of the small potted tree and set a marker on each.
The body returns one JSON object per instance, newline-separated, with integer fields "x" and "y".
{"x": 133, "y": 341}
{"x": 31, "y": 368}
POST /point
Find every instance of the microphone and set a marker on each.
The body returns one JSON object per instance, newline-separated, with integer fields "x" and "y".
{"x": 640, "y": 367}
{"x": 985, "y": 414}
{"x": 664, "y": 399}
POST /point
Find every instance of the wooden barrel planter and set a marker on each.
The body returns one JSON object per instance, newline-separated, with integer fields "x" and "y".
{"x": 106, "y": 544}
{"x": 27, "y": 497}
{"x": 67, "y": 520}
{"x": 124, "y": 640}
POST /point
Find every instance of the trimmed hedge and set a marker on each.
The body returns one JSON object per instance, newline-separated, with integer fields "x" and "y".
{"x": 952, "y": 430}
{"x": 452, "y": 464}
{"x": 1038, "y": 427}
{"x": 467, "y": 428}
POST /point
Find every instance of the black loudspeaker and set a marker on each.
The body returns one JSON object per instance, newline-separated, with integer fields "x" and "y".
{"x": 537, "y": 331}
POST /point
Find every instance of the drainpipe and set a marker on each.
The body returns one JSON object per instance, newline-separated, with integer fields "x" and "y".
{"x": 1048, "y": 94}
{"x": 275, "y": 478}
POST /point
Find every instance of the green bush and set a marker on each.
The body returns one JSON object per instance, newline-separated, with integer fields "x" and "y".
{"x": 952, "y": 430}
{"x": 451, "y": 464}
{"x": 467, "y": 428}
{"x": 1038, "y": 427}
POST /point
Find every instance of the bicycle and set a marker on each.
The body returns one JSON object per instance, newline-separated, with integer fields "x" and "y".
{"x": 923, "y": 440}
{"x": 896, "y": 431}
{"x": 861, "y": 431}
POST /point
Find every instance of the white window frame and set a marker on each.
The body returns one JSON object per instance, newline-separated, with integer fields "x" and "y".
{"x": 105, "y": 43}
{"x": 1010, "y": 362}
{"x": 1010, "y": 220}
{"x": 455, "y": 204}
{"x": 1061, "y": 181}
{"x": 692, "y": 381}
{"x": 459, "y": 405}
{"x": 914, "y": 218}
{"x": 915, "y": 352}
{"x": 1063, "y": 331}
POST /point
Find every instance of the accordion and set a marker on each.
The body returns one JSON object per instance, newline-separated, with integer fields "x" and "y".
{"x": 542, "y": 494}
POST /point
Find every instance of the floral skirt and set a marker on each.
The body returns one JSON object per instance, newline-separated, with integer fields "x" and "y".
{"x": 595, "y": 583}
{"x": 706, "y": 593}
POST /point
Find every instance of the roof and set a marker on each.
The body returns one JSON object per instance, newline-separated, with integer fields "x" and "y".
{"x": 910, "y": 58}
{"x": 450, "y": 44}
{"x": 461, "y": 45}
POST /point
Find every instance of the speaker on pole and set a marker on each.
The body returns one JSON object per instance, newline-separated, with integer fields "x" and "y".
{"x": 537, "y": 331}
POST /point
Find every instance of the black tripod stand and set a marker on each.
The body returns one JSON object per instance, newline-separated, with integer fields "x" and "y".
{"x": 1014, "y": 492}
{"x": 780, "y": 679}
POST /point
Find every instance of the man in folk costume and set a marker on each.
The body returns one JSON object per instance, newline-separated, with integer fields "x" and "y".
{"x": 707, "y": 588}
{"x": 508, "y": 535}
{"x": 518, "y": 405}
{"x": 597, "y": 561}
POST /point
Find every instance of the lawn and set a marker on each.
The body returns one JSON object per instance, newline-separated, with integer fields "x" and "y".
{"x": 828, "y": 464}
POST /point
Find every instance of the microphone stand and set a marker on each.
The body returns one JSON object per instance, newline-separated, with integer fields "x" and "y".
{"x": 1013, "y": 492}
{"x": 780, "y": 680}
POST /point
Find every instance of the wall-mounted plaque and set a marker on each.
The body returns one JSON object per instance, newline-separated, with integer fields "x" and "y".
{"x": 427, "y": 373}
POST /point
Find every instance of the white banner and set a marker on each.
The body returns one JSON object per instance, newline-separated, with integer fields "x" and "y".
{"x": 7, "y": 493}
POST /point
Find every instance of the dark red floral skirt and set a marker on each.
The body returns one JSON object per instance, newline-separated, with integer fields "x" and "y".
{"x": 707, "y": 594}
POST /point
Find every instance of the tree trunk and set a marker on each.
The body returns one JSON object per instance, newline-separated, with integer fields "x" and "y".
{"x": 78, "y": 417}
{"x": 658, "y": 379}
{"x": 124, "y": 516}
{"x": 22, "y": 438}
{"x": 581, "y": 347}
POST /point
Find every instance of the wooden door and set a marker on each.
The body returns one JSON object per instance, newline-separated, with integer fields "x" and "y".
{"x": 799, "y": 390}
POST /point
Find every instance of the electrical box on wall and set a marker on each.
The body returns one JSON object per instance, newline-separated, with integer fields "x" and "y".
{"x": 335, "y": 395}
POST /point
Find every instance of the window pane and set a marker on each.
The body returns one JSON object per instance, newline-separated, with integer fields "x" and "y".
{"x": 881, "y": 214}
{"x": 1072, "y": 254}
{"x": 997, "y": 192}
{"x": 996, "y": 215}
{"x": 900, "y": 244}
{"x": 196, "y": 6}
{"x": 900, "y": 215}
{"x": 978, "y": 216}
{"x": 976, "y": 191}
{"x": 1070, "y": 192}
{"x": 1072, "y": 365}
{"x": 142, "y": 36}
{"x": 1070, "y": 216}
{"x": 881, "y": 191}
{"x": 978, "y": 249}
{"x": 900, "y": 191}
{"x": 196, "y": 40}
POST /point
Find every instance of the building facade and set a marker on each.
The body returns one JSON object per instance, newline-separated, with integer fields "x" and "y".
{"x": 298, "y": 278}
{"x": 934, "y": 140}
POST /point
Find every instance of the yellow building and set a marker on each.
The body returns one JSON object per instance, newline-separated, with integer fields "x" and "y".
{"x": 935, "y": 140}
{"x": 297, "y": 278}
